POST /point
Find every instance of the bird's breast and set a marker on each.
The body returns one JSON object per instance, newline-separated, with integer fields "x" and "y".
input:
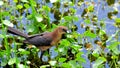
{"x": 44, "y": 48}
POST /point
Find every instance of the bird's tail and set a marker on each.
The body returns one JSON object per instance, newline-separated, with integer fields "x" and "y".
{"x": 17, "y": 32}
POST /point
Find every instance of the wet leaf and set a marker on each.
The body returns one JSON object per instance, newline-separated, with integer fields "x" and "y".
{"x": 24, "y": 0}
{"x": 4, "y": 62}
{"x": 23, "y": 51}
{"x": 112, "y": 36}
{"x": 46, "y": 8}
{"x": 71, "y": 18}
{"x": 102, "y": 32}
{"x": 1, "y": 36}
{"x": 43, "y": 26}
{"x": 73, "y": 64}
{"x": 8, "y": 23}
{"x": 53, "y": 63}
{"x": 19, "y": 6}
{"x": 1, "y": 3}
{"x": 65, "y": 42}
{"x": 44, "y": 66}
{"x": 53, "y": 1}
{"x": 117, "y": 20}
{"x": 39, "y": 18}
{"x": 33, "y": 3}
{"x": 91, "y": 8}
{"x": 30, "y": 28}
{"x": 113, "y": 47}
{"x": 87, "y": 21}
{"x": 12, "y": 61}
{"x": 15, "y": 1}
{"x": 98, "y": 62}
{"x": 62, "y": 59}
{"x": 66, "y": 65}
{"x": 89, "y": 34}
{"x": 21, "y": 65}
{"x": 27, "y": 6}
{"x": 96, "y": 52}
{"x": 79, "y": 57}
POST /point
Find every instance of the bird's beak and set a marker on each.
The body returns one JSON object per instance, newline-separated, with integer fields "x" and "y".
{"x": 68, "y": 31}
{"x": 64, "y": 36}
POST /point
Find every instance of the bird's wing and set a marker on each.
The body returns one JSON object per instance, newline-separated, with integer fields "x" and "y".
{"x": 39, "y": 40}
{"x": 41, "y": 34}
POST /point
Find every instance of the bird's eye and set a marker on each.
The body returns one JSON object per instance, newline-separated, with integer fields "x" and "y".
{"x": 64, "y": 30}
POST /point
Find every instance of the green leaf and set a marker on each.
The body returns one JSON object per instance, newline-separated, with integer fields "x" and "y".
{"x": 64, "y": 42}
{"x": 42, "y": 26}
{"x": 96, "y": 52}
{"x": 98, "y": 62}
{"x": 15, "y": 1}
{"x": 89, "y": 34}
{"x": 87, "y": 21}
{"x": 72, "y": 10}
{"x": 68, "y": 18}
{"x": 27, "y": 6}
{"x": 117, "y": 20}
{"x": 75, "y": 18}
{"x": 39, "y": 18}
{"x": 114, "y": 57}
{"x": 73, "y": 64}
{"x": 24, "y": 1}
{"x": 4, "y": 62}
{"x": 113, "y": 35}
{"x": 102, "y": 32}
{"x": 8, "y": 23}
{"x": 5, "y": 13}
{"x": 1, "y": 3}
{"x": 91, "y": 8}
{"x": 76, "y": 47}
{"x": 19, "y": 6}
{"x": 11, "y": 61}
{"x": 46, "y": 8}
{"x": 66, "y": 65}
{"x": 52, "y": 63}
{"x": 1, "y": 36}
{"x": 44, "y": 66}
{"x": 21, "y": 65}
{"x": 71, "y": 18}
{"x": 53, "y": 1}
{"x": 79, "y": 54}
{"x": 79, "y": 57}
{"x": 30, "y": 28}
{"x": 113, "y": 47}
{"x": 62, "y": 59}
{"x": 33, "y": 3}
{"x": 23, "y": 51}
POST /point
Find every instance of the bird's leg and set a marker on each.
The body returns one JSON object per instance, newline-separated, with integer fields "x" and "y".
{"x": 42, "y": 52}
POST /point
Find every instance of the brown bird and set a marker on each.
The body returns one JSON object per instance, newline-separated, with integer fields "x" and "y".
{"x": 44, "y": 40}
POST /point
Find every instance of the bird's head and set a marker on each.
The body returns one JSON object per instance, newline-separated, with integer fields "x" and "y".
{"x": 62, "y": 29}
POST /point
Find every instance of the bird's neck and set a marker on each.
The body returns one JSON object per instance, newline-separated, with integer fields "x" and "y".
{"x": 56, "y": 36}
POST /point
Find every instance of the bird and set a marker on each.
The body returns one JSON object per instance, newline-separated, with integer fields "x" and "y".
{"x": 44, "y": 40}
